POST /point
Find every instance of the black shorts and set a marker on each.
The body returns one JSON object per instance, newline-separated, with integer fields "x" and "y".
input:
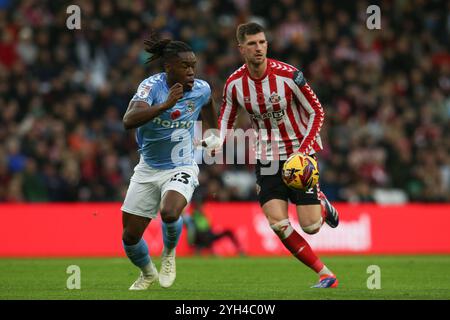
{"x": 271, "y": 186}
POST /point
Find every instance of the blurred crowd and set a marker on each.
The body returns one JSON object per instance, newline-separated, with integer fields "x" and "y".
{"x": 386, "y": 93}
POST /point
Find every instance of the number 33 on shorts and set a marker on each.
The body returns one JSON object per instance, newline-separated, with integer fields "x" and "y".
{"x": 182, "y": 177}
{"x": 183, "y": 182}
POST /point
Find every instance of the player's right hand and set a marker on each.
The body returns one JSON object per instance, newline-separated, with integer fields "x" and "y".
{"x": 175, "y": 94}
{"x": 212, "y": 144}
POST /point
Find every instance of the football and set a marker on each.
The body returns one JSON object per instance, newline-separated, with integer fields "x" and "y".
{"x": 300, "y": 172}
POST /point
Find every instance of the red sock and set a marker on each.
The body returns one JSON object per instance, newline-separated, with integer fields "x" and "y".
{"x": 298, "y": 246}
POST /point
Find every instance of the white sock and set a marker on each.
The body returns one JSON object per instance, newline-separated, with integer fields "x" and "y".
{"x": 168, "y": 252}
{"x": 147, "y": 269}
{"x": 325, "y": 270}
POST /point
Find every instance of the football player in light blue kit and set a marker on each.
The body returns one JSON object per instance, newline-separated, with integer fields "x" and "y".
{"x": 164, "y": 110}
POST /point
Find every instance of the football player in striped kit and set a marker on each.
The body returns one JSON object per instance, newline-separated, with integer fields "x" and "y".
{"x": 287, "y": 117}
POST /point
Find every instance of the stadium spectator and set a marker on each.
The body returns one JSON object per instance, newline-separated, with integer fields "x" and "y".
{"x": 63, "y": 92}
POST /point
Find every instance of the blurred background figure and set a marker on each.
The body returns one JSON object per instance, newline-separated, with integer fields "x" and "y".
{"x": 200, "y": 233}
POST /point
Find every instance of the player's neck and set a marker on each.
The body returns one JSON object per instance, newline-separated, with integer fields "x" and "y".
{"x": 257, "y": 71}
{"x": 170, "y": 81}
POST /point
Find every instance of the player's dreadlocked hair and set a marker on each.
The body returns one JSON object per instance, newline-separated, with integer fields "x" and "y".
{"x": 164, "y": 48}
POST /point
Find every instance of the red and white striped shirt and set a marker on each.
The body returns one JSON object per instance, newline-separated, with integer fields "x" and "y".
{"x": 285, "y": 112}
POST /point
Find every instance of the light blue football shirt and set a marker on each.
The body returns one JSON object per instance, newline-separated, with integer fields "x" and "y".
{"x": 166, "y": 141}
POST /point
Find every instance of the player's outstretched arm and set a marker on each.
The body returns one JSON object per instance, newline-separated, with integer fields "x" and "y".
{"x": 139, "y": 112}
{"x": 209, "y": 115}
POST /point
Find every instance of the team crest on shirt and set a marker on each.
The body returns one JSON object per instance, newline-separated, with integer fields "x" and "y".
{"x": 274, "y": 98}
{"x": 190, "y": 106}
{"x": 247, "y": 100}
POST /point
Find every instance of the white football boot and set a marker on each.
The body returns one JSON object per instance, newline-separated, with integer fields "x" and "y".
{"x": 145, "y": 281}
{"x": 168, "y": 273}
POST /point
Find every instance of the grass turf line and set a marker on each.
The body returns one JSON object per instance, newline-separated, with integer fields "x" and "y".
{"x": 210, "y": 278}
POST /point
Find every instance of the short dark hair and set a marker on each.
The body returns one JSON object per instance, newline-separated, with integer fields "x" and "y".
{"x": 164, "y": 48}
{"x": 247, "y": 29}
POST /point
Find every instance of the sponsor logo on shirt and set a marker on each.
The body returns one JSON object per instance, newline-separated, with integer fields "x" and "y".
{"x": 173, "y": 124}
{"x": 277, "y": 115}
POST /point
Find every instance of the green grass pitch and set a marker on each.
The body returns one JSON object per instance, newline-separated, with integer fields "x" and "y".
{"x": 402, "y": 277}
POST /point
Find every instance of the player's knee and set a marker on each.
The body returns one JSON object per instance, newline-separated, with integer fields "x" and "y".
{"x": 276, "y": 220}
{"x": 282, "y": 228}
{"x": 130, "y": 238}
{"x": 313, "y": 227}
{"x": 169, "y": 215}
